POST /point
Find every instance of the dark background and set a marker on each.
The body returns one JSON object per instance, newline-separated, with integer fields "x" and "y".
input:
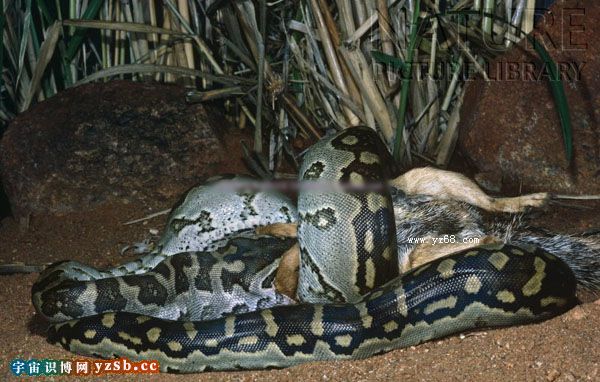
{"x": 4, "y": 206}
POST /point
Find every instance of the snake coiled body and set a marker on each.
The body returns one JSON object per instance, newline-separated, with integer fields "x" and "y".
{"x": 337, "y": 266}
{"x": 186, "y": 286}
{"x": 354, "y": 302}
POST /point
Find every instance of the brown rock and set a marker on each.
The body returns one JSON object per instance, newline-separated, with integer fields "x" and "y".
{"x": 115, "y": 141}
{"x": 511, "y": 124}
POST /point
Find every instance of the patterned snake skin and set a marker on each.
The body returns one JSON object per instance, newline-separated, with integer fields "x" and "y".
{"x": 208, "y": 303}
{"x": 235, "y": 278}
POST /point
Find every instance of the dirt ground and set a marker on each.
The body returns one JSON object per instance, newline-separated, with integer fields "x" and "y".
{"x": 566, "y": 348}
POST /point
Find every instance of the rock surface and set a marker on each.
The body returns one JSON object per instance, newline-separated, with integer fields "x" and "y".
{"x": 510, "y": 126}
{"x": 116, "y": 141}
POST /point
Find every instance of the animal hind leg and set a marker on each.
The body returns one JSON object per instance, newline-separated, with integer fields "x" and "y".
{"x": 444, "y": 184}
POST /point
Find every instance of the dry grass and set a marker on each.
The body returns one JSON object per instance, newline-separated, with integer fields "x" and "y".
{"x": 287, "y": 68}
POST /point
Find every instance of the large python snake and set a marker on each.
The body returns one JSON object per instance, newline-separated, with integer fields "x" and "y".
{"x": 204, "y": 299}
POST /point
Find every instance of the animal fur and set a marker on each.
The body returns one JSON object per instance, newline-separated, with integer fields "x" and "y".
{"x": 426, "y": 218}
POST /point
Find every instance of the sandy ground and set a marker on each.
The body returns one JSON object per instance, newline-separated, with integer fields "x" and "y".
{"x": 566, "y": 348}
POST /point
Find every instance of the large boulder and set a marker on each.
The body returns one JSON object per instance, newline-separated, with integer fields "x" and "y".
{"x": 117, "y": 141}
{"x": 510, "y": 126}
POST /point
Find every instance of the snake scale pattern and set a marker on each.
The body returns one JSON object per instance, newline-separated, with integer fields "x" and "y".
{"x": 204, "y": 299}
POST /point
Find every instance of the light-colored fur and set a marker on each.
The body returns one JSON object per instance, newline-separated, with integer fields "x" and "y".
{"x": 454, "y": 186}
{"x": 286, "y": 279}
